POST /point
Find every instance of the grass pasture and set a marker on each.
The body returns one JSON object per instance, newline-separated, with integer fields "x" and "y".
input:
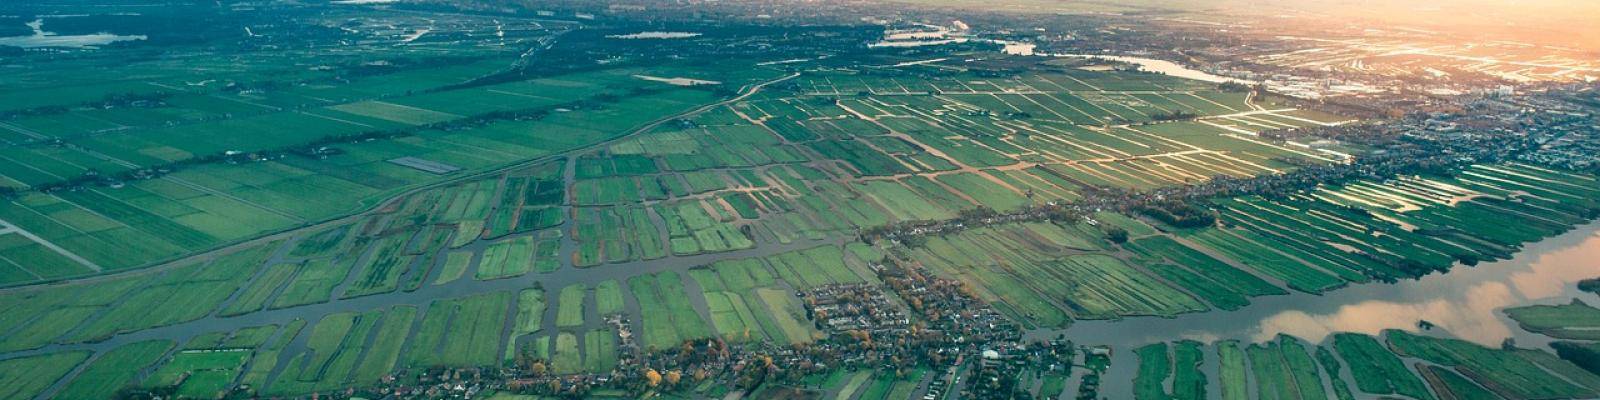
{"x": 1376, "y": 370}
{"x": 1575, "y": 320}
{"x": 1501, "y": 371}
{"x": 668, "y": 317}
{"x": 461, "y": 331}
{"x": 114, "y": 370}
{"x": 27, "y": 377}
{"x": 745, "y": 303}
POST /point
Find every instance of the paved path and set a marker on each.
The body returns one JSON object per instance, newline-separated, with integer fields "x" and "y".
{"x": 7, "y": 227}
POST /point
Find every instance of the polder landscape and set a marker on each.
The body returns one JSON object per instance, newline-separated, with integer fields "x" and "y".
{"x": 520, "y": 200}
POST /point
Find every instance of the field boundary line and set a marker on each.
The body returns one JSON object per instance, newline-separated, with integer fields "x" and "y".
{"x": 7, "y": 227}
{"x": 159, "y": 266}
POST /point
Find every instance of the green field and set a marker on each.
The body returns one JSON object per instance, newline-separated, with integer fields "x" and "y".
{"x": 506, "y": 259}
{"x": 571, "y": 305}
{"x": 27, "y": 377}
{"x": 1234, "y": 377}
{"x": 668, "y": 317}
{"x": 529, "y": 317}
{"x": 1181, "y": 367}
{"x": 1376, "y": 370}
{"x": 1396, "y": 364}
{"x": 1574, "y": 321}
{"x": 1503, "y": 372}
{"x": 1042, "y": 273}
{"x": 746, "y": 305}
{"x": 343, "y": 193}
{"x": 608, "y": 298}
{"x": 114, "y": 370}
{"x": 1331, "y": 365}
{"x": 462, "y": 331}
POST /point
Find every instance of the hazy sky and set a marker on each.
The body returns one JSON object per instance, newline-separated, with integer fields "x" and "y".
{"x": 1571, "y": 23}
{"x": 1568, "y": 22}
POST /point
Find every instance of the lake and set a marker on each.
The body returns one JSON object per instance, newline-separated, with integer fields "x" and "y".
{"x": 1159, "y": 66}
{"x": 1145, "y": 64}
{"x": 41, "y": 38}
{"x": 655, "y": 35}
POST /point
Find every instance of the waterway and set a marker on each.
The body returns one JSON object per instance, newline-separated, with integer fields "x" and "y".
{"x": 1465, "y": 303}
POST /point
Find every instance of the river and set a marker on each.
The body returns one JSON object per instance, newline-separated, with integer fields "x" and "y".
{"x": 1464, "y": 303}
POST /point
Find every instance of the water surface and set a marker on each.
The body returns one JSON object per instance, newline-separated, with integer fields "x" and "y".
{"x": 1145, "y": 64}
{"x": 656, "y": 35}
{"x": 1465, "y": 303}
{"x": 41, "y": 38}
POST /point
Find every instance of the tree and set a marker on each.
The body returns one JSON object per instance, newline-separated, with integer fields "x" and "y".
{"x": 1591, "y": 285}
{"x": 1116, "y": 234}
{"x": 1584, "y": 355}
{"x": 1179, "y": 214}
{"x": 1234, "y": 87}
{"x": 652, "y": 377}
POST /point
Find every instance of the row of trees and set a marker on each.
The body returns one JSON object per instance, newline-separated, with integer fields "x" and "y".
{"x": 1179, "y": 213}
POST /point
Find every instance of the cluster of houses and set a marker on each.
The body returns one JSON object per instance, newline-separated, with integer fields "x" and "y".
{"x": 912, "y": 320}
{"x": 855, "y": 307}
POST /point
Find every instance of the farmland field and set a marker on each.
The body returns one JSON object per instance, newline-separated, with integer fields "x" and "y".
{"x": 1375, "y": 369}
{"x": 1381, "y": 365}
{"x": 115, "y": 369}
{"x": 1573, "y": 321}
{"x": 27, "y": 377}
{"x": 404, "y": 195}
